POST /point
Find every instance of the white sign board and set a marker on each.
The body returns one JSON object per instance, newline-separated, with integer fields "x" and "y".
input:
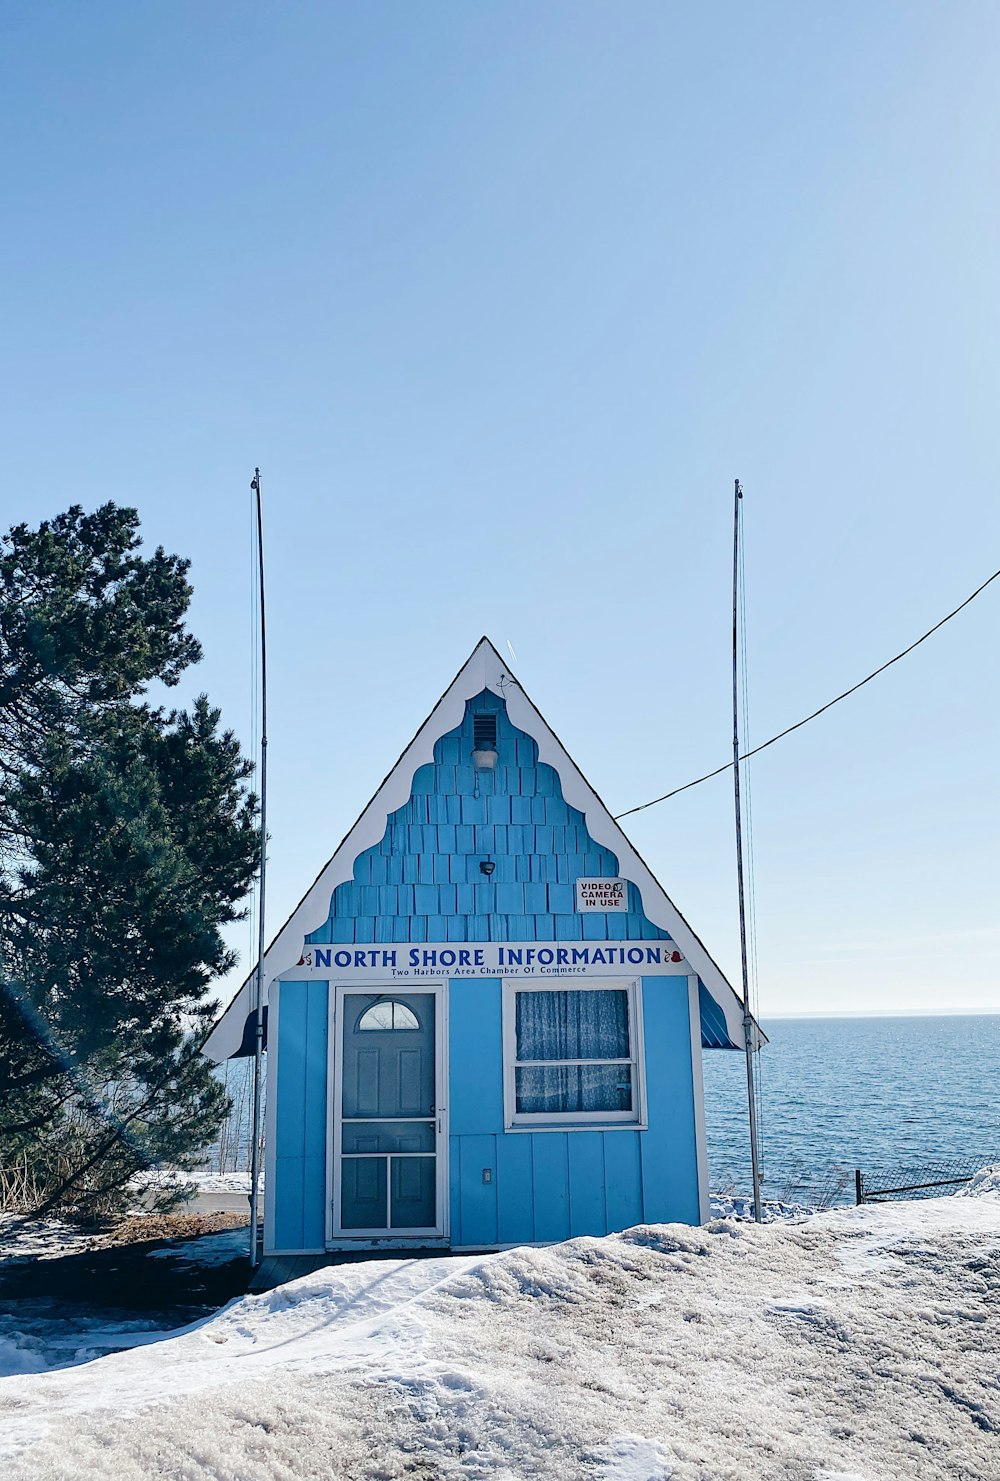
{"x": 433, "y": 961}
{"x": 601, "y": 894}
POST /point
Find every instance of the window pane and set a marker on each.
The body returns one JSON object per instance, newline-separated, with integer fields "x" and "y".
{"x": 388, "y": 1136}
{"x": 388, "y": 1015}
{"x": 556, "y": 1089}
{"x": 573, "y": 1025}
{"x": 364, "y": 1191}
{"x": 414, "y": 1195}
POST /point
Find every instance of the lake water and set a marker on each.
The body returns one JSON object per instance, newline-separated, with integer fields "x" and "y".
{"x": 840, "y": 1093}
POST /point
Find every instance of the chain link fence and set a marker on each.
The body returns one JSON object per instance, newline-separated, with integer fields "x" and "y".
{"x": 930, "y": 1180}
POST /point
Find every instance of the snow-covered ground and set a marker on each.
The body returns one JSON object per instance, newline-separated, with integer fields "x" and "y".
{"x": 47, "y": 1329}
{"x": 858, "y": 1345}
{"x": 735, "y": 1206}
{"x": 210, "y": 1249}
{"x": 35, "y": 1340}
{"x": 26, "y": 1238}
{"x": 23, "y": 1238}
{"x": 206, "y": 1182}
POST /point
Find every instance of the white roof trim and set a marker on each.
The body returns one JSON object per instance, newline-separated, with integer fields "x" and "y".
{"x": 485, "y": 669}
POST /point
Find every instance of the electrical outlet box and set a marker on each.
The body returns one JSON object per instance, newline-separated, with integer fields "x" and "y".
{"x": 487, "y": 1174}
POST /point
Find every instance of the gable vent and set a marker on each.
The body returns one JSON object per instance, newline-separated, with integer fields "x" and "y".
{"x": 484, "y": 730}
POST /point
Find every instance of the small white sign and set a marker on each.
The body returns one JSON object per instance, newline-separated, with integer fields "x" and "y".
{"x": 601, "y": 894}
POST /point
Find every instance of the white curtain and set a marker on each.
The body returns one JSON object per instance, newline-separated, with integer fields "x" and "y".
{"x": 564, "y": 1025}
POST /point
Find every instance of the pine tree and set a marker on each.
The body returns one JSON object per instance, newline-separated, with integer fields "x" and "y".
{"x": 127, "y": 840}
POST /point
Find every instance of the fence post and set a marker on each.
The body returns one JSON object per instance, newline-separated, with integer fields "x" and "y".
{"x": 859, "y": 1191}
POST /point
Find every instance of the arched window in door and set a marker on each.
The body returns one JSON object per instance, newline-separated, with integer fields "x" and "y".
{"x": 388, "y": 1015}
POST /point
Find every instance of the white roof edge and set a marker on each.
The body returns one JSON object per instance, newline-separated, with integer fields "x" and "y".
{"x": 484, "y": 669}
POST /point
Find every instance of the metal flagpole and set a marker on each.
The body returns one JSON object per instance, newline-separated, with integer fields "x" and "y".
{"x": 258, "y": 992}
{"x": 748, "y": 1024}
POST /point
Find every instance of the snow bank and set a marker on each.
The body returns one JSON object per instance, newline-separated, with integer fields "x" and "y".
{"x": 39, "y": 1336}
{"x": 986, "y": 1184}
{"x": 736, "y": 1206}
{"x": 19, "y": 1354}
{"x": 858, "y": 1344}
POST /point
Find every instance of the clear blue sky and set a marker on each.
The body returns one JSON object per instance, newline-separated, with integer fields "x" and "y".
{"x": 502, "y": 296}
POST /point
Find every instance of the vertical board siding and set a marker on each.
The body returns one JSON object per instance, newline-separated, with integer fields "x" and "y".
{"x": 475, "y": 1068}
{"x": 550, "y": 1170}
{"x": 515, "y": 1190}
{"x": 478, "y": 1211}
{"x": 623, "y": 1178}
{"x": 587, "y": 1213}
{"x": 668, "y": 1148}
{"x": 455, "y": 1188}
{"x": 300, "y": 1117}
{"x": 476, "y": 1110}
{"x": 422, "y": 882}
{"x": 544, "y": 1185}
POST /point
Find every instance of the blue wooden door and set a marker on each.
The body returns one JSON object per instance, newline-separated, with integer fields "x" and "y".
{"x": 389, "y": 1125}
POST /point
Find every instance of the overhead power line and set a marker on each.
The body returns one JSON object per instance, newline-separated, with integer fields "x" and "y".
{"x": 641, "y": 807}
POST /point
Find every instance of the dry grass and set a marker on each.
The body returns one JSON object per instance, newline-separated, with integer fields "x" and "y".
{"x": 140, "y": 1228}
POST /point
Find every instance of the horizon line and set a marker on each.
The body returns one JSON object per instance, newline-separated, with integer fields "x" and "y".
{"x": 889, "y": 1013}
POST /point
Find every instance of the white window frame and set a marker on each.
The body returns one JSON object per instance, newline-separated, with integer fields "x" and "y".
{"x": 635, "y": 1119}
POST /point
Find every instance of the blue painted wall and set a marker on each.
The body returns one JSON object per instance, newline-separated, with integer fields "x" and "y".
{"x": 422, "y": 882}
{"x": 298, "y": 1181}
{"x": 556, "y": 1184}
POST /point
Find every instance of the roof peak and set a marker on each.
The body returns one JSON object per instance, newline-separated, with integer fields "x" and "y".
{"x": 483, "y": 669}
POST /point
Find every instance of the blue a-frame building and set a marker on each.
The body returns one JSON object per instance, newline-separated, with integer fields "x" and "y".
{"x": 486, "y": 1017}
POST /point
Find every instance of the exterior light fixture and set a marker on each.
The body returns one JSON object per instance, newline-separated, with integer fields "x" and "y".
{"x": 484, "y": 757}
{"x": 486, "y": 866}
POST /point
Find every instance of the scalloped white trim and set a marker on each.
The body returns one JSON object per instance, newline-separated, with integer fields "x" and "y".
{"x": 485, "y": 669}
